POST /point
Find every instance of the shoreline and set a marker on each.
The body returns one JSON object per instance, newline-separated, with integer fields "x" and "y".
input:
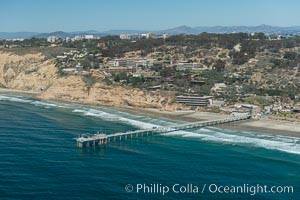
{"x": 15, "y": 91}
{"x": 263, "y": 126}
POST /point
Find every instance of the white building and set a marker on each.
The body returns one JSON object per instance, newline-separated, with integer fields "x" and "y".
{"x": 118, "y": 62}
{"x": 52, "y": 39}
{"x": 186, "y": 65}
{"x": 79, "y": 67}
{"x": 194, "y": 100}
{"x": 68, "y": 39}
{"x": 218, "y": 88}
{"x": 78, "y": 37}
{"x": 148, "y": 35}
{"x": 165, "y": 36}
{"x": 88, "y": 37}
{"x": 130, "y": 36}
{"x": 144, "y": 62}
{"x": 124, "y": 37}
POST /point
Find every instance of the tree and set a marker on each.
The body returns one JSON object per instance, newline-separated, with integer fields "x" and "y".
{"x": 290, "y": 55}
{"x": 167, "y": 71}
{"x": 219, "y": 65}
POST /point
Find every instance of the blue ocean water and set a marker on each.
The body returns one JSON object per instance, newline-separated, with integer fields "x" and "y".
{"x": 39, "y": 158}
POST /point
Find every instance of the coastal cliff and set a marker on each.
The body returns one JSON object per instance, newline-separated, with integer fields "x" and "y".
{"x": 34, "y": 72}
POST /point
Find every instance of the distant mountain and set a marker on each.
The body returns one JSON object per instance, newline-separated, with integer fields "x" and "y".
{"x": 59, "y": 34}
{"x": 118, "y": 32}
{"x": 214, "y": 29}
{"x": 89, "y": 32}
{"x": 249, "y": 29}
{"x": 174, "y": 31}
{"x": 92, "y": 32}
{"x": 179, "y": 30}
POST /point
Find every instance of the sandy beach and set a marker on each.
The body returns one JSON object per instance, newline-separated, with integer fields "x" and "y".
{"x": 267, "y": 126}
{"x": 264, "y": 126}
{"x": 15, "y": 91}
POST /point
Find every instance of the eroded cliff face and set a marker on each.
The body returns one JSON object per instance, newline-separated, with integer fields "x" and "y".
{"x": 32, "y": 72}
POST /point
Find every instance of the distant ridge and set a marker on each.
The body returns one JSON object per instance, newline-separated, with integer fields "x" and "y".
{"x": 179, "y": 30}
{"x": 118, "y": 32}
{"x": 249, "y": 29}
{"x": 59, "y": 34}
{"x": 174, "y": 31}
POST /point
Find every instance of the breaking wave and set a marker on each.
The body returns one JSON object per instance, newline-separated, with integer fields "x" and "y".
{"x": 21, "y": 99}
{"x": 43, "y": 104}
{"x": 14, "y": 99}
{"x": 113, "y": 117}
{"x": 280, "y": 143}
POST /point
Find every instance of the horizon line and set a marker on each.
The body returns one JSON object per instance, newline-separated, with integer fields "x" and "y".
{"x": 137, "y": 29}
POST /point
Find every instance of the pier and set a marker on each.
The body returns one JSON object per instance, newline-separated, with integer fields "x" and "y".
{"x": 87, "y": 140}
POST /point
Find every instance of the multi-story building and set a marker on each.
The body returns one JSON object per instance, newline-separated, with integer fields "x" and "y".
{"x": 192, "y": 100}
{"x": 218, "y": 88}
{"x": 130, "y": 62}
{"x": 187, "y": 65}
{"x": 88, "y": 37}
{"x": 130, "y": 36}
{"x": 52, "y": 39}
{"x": 124, "y": 37}
{"x": 120, "y": 69}
{"x": 138, "y": 36}
{"x": 118, "y": 62}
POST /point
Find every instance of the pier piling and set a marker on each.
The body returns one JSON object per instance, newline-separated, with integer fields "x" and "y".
{"x": 101, "y": 139}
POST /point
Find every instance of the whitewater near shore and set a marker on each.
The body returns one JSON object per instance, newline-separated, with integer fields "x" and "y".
{"x": 141, "y": 120}
{"x": 264, "y": 126}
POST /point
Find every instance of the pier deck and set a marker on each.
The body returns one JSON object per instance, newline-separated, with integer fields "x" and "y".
{"x": 102, "y": 139}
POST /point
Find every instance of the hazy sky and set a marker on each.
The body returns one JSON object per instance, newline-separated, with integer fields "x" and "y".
{"x": 74, "y": 15}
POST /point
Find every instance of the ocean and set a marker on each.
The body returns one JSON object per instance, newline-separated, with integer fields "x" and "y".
{"x": 39, "y": 158}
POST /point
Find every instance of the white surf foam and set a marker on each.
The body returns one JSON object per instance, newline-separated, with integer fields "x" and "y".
{"x": 281, "y": 143}
{"x": 43, "y": 104}
{"x": 14, "y": 99}
{"x": 112, "y": 117}
{"x": 21, "y": 99}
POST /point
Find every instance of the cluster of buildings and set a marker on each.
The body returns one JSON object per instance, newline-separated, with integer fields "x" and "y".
{"x": 128, "y": 65}
{"x": 53, "y": 39}
{"x": 146, "y": 62}
{"x": 283, "y": 108}
{"x": 240, "y": 109}
{"x": 188, "y": 65}
{"x": 73, "y": 55}
{"x": 130, "y": 62}
{"x": 259, "y": 111}
{"x": 68, "y": 60}
{"x": 81, "y": 37}
{"x": 133, "y": 64}
{"x": 142, "y": 36}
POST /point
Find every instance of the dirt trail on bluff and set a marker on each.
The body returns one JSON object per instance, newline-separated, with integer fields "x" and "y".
{"x": 33, "y": 72}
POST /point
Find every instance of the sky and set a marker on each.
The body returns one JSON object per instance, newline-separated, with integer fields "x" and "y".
{"x": 102, "y": 15}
